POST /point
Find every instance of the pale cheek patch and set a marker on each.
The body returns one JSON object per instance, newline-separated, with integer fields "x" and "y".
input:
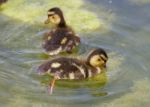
{"x": 52, "y": 20}
{"x": 94, "y": 60}
{"x": 55, "y": 19}
{"x": 55, "y": 65}
{"x": 64, "y": 40}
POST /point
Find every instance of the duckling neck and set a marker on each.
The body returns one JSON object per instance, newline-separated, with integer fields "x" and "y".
{"x": 62, "y": 23}
{"x": 87, "y": 63}
{"x": 61, "y": 26}
{"x": 101, "y": 67}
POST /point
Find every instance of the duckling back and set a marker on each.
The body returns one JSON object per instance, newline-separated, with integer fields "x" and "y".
{"x": 68, "y": 68}
{"x": 60, "y": 40}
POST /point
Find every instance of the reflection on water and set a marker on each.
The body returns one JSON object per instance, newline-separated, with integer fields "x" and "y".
{"x": 137, "y": 97}
{"x": 139, "y": 2}
{"x": 126, "y": 41}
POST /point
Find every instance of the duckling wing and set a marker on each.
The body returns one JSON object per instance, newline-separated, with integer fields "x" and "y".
{"x": 71, "y": 42}
{"x": 65, "y": 68}
{"x": 60, "y": 40}
{"x": 54, "y": 42}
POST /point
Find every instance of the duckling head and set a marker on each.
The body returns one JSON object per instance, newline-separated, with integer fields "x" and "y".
{"x": 97, "y": 58}
{"x": 55, "y": 16}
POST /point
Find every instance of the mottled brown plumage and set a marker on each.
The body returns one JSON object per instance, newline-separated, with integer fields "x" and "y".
{"x": 71, "y": 68}
{"x": 61, "y": 38}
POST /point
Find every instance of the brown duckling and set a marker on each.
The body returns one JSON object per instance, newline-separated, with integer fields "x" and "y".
{"x": 61, "y": 38}
{"x": 74, "y": 69}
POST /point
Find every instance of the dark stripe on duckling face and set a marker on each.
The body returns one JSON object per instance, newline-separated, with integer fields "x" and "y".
{"x": 55, "y": 16}
{"x": 97, "y": 58}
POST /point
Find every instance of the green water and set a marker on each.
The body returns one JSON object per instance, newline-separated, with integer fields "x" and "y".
{"x": 122, "y": 27}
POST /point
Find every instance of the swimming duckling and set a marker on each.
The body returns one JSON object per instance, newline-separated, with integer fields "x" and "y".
{"x": 74, "y": 69}
{"x": 61, "y": 38}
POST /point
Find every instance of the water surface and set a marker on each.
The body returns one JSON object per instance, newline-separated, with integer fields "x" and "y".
{"x": 120, "y": 27}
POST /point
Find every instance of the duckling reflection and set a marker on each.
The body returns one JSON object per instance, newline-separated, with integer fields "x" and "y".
{"x": 74, "y": 69}
{"x": 61, "y": 38}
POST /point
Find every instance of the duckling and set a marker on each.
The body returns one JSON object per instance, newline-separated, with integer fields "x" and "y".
{"x": 61, "y": 38}
{"x": 74, "y": 69}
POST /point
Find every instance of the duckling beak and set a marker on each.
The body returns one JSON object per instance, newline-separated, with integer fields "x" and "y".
{"x": 47, "y": 21}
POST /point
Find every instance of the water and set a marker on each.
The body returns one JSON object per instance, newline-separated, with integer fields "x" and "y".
{"x": 123, "y": 30}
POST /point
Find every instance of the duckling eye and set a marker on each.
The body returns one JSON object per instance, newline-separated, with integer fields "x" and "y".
{"x": 53, "y": 17}
{"x": 99, "y": 59}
